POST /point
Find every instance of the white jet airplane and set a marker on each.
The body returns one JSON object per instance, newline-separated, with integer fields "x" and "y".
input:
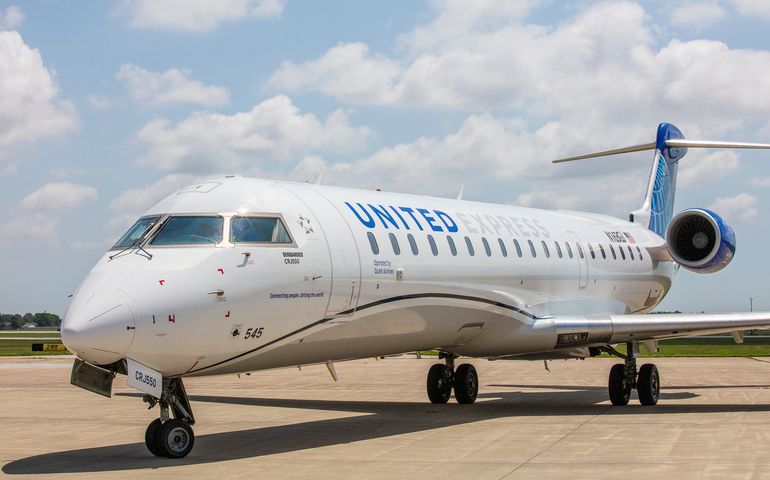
{"x": 239, "y": 274}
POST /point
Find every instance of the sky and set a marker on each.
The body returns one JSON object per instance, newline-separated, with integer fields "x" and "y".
{"x": 108, "y": 106}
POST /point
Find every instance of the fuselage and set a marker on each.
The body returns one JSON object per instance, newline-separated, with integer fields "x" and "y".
{"x": 350, "y": 273}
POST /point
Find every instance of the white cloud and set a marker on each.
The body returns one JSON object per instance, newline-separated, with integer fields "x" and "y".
{"x": 761, "y": 182}
{"x": 700, "y": 167}
{"x": 171, "y": 86}
{"x": 345, "y": 71}
{"x": 595, "y": 81}
{"x": 99, "y": 101}
{"x": 35, "y": 228}
{"x": 29, "y": 110}
{"x": 262, "y": 139}
{"x": 11, "y": 18}
{"x": 196, "y": 15}
{"x": 760, "y": 8}
{"x": 600, "y": 65}
{"x": 697, "y": 14}
{"x": 740, "y": 208}
{"x": 58, "y": 196}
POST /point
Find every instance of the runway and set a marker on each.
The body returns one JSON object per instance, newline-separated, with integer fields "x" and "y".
{"x": 713, "y": 422}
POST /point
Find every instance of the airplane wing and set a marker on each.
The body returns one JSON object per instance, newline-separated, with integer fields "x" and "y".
{"x": 613, "y": 329}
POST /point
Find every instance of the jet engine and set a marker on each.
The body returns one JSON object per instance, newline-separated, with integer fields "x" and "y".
{"x": 700, "y": 241}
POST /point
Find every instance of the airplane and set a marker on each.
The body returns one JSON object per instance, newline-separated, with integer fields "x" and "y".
{"x": 239, "y": 274}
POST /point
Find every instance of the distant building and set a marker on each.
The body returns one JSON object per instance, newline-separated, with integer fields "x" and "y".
{"x": 28, "y": 326}
{"x": 6, "y": 326}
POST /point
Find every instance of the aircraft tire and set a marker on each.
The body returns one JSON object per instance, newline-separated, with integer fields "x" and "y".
{"x": 176, "y": 438}
{"x": 466, "y": 384}
{"x": 439, "y": 383}
{"x": 151, "y": 438}
{"x": 620, "y": 391}
{"x": 648, "y": 384}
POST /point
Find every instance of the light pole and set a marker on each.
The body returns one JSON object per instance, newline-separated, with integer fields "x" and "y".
{"x": 751, "y": 304}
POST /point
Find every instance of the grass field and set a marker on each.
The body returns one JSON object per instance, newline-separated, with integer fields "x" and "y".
{"x": 11, "y": 348}
{"x": 27, "y": 333}
{"x": 685, "y": 347}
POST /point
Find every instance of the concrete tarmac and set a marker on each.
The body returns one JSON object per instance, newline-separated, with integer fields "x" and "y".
{"x": 712, "y": 422}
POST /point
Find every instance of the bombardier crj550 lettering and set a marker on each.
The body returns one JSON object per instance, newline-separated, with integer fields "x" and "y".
{"x": 239, "y": 274}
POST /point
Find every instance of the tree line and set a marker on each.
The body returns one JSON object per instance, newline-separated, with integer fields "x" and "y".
{"x": 16, "y": 320}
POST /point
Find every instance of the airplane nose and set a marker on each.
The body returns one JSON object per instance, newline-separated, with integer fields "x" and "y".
{"x": 98, "y": 327}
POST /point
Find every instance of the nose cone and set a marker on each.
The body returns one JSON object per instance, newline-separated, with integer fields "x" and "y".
{"x": 98, "y": 327}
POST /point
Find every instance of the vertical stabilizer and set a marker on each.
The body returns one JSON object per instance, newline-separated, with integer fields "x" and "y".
{"x": 658, "y": 207}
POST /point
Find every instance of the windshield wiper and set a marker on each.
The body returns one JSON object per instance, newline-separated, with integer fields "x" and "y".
{"x": 135, "y": 244}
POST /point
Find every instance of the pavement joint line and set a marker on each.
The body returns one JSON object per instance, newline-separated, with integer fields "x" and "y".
{"x": 578, "y": 427}
{"x": 759, "y": 360}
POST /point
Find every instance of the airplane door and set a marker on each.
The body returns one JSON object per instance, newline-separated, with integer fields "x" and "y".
{"x": 582, "y": 262}
{"x": 343, "y": 252}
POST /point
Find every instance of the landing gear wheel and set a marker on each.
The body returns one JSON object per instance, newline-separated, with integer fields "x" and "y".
{"x": 466, "y": 384}
{"x": 439, "y": 383}
{"x": 176, "y": 438}
{"x": 648, "y": 384}
{"x": 151, "y": 438}
{"x": 619, "y": 387}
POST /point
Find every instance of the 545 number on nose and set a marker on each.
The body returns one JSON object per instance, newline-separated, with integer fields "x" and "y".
{"x": 254, "y": 333}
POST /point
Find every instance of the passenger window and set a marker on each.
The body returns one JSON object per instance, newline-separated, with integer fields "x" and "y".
{"x": 612, "y": 251}
{"x": 630, "y": 252}
{"x": 412, "y": 244}
{"x": 190, "y": 230}
{"x": 622, "y": 253}
{"x": 373, "y": 243}
{"x": 486, "y": 246}
{"x": 580, "y": 250}
{"x": 394, "y": 244}
{"x": 569, "y": 250}
{"x": 558, "y": 249}
{"x": 452, "y": 247}
{"x": 639, "y": 251}
{"x": 532, "y": 248}
{"x": 518, "y": 247}
{"x": 137, "y": 232}
{"x": 469, "y": 244}
{"x": 591, "y": 249}
{"x": 601, "y": 249}
{"x": 258, "y": 230}
{"x": 433, "y": 247}
{"x": 503, "y": 250}
{"x": 545, "y": 249}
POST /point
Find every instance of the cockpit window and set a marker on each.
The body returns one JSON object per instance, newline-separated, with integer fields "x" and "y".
{"x": 137, "y": 232}
{"x": 190, "y": 230}
{"x": 258, "y": 230}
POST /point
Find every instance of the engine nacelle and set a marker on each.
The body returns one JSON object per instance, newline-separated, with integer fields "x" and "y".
{"x": 700, "y": 241}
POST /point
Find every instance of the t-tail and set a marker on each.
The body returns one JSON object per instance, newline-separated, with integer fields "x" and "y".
{"x": 670, "y": 147}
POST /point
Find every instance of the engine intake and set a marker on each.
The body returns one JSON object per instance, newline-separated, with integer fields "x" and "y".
{"x": 700, "y": 241}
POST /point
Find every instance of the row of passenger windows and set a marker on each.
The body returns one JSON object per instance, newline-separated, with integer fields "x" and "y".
{"x": 534, "y": 249}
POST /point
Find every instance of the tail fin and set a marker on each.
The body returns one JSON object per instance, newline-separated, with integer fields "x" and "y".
{"x": 658, "y": 207}
{"x": 670, "y": 146}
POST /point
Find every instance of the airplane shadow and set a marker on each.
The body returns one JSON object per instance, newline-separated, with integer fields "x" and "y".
{"x": 384, "y": 419}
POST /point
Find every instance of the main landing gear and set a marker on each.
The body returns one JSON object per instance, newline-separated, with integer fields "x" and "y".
{"x": 171, "y": 437}
{"x": 443, "y": 378}
{"x": 624, "y": 377}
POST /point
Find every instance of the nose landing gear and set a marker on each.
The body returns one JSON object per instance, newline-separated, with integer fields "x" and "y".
{"x": 171, "y": 437}
{"x": 625, "y": 377}
{"x": 443, "y": 378}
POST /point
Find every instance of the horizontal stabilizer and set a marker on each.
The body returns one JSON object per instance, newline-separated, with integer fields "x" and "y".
{"x": 672, "y": 143}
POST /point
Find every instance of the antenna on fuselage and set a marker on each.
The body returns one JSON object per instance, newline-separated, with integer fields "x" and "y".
{"x": 460, "y": 193}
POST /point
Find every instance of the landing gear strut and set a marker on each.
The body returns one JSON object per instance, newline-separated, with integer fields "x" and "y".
{"x": 443, "y": 378}
{"x": 166, "y": 436}
{"x": 624, "y": 377}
